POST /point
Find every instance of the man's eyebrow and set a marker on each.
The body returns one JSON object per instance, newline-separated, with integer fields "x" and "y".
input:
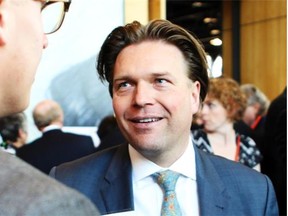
{"x": 124, "y": 77}
{"x": 130, "y": 77}
{"x": 162, "y": 74}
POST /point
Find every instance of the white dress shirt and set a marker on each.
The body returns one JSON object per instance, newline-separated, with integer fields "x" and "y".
{"x": 148, "y": 195}
{"x": 51, "y": 127}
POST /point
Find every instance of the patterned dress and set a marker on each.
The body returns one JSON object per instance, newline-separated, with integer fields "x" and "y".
{"x": 249, "y": 154}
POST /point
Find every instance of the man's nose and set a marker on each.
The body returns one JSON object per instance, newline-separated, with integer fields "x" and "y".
{"x": 144, "y": 94}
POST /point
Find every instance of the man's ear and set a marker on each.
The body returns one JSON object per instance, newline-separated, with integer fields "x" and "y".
{"x": 196, "y": 96}
{"x": 2, "y": 22}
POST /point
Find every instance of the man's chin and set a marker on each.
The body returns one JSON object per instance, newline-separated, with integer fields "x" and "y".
{"x": 147, "y": 149}
{"x": 23, "y": 104}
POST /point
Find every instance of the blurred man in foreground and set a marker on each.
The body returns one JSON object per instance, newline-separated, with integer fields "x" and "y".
{"x": 23, "y": 189}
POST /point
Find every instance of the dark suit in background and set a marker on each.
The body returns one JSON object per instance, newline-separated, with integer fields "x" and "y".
{"x": 109, "y": 133}
{"x": 55, "y": 147}
{"x": 275, "y": 150}
{"x": 115, "y": 137}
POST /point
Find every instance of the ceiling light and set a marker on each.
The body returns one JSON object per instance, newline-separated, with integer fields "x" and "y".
{"x": 215, "y": 32}
{"x": 210, "y": 20}
{"x": 197, "y": 4}
{"x": 216, "y": 42}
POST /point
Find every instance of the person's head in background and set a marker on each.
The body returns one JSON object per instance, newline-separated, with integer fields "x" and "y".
{"x": 157, "y": 77}
{"x": 106, "y": 126}
{"x": 22, "y": 39}
{"x": 13, "y": 130}
{"x": 257, "y": 103}
{"x": 225, "y": 104}
{"x": 46, "y": 113}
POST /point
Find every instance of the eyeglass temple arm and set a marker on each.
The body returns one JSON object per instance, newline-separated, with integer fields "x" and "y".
{"x": 47, "y": 1}
{"x": 66, "y": 3}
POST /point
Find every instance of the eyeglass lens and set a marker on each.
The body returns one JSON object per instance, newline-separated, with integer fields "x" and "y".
{"x": 52, "y": 17}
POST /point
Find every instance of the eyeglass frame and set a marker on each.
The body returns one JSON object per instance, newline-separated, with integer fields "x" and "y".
{"x": 66, "y": 8}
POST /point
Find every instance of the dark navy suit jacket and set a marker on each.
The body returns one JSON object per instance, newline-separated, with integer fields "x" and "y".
{"x": 224, "y": 187}
{"x": 54, "y": 148}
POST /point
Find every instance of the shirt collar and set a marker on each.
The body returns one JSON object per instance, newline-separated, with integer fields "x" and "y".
{"x": 51, "y": 127}
{"x": 142, "y": 167}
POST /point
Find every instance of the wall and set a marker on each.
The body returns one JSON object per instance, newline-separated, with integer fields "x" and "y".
{"x": 136, "y": 10}
{"x": 263, "y": 57}
{"x": 144, "y": 10}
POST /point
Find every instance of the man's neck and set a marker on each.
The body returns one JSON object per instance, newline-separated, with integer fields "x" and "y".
{"x": 51, "y": 127}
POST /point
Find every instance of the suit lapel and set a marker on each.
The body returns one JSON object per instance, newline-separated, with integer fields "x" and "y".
{"x": 213, "y": 197}
{"x": 118, "y": 183}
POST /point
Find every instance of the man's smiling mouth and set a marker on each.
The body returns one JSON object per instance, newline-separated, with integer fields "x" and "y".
{"x": 146, "y": 120}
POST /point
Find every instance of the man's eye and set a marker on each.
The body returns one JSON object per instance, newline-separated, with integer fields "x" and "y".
{"x": 123, "y": 85}
{"x": 161, "y": 81}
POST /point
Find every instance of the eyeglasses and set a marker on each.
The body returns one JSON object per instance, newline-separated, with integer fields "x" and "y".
{"x": 53, "y": 14}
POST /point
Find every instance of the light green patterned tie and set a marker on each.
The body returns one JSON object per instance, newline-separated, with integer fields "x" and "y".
{"x": 167, "y": 181}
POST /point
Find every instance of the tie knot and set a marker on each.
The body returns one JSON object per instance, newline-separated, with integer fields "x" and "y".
{"x": 166, "y": 179}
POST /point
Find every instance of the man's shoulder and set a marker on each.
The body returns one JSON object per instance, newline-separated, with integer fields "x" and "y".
{"x": 35, "y": 192}
{"x": 99, "y": 160}
{"x": 32, "y": 144}
{"x": 28, "y": 148}
{"x": 228, "y": 170}
{"x": 76, "y": 136}
{"x": 246, "y": 190}
{"x": 85, "y": 173}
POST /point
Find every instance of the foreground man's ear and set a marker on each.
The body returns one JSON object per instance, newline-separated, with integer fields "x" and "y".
{"x": 2, "y": 25}
{"x": 196, "y": 96}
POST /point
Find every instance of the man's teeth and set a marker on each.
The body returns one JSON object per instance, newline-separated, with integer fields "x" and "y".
{"x": 148, "y": 120}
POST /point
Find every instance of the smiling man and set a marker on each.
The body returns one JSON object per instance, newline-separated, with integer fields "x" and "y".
{"x": 157, "y": 77}
{"x": 150, "y": 97}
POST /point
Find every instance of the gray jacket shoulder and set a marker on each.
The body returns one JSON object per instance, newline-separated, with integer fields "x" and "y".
{"x": 26, "y": 191}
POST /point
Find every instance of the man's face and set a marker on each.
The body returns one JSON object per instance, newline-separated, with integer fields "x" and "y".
{"x": 21, "y": 47}
{"x": 154, "y": 100}
{"x": 250, "y": 114}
